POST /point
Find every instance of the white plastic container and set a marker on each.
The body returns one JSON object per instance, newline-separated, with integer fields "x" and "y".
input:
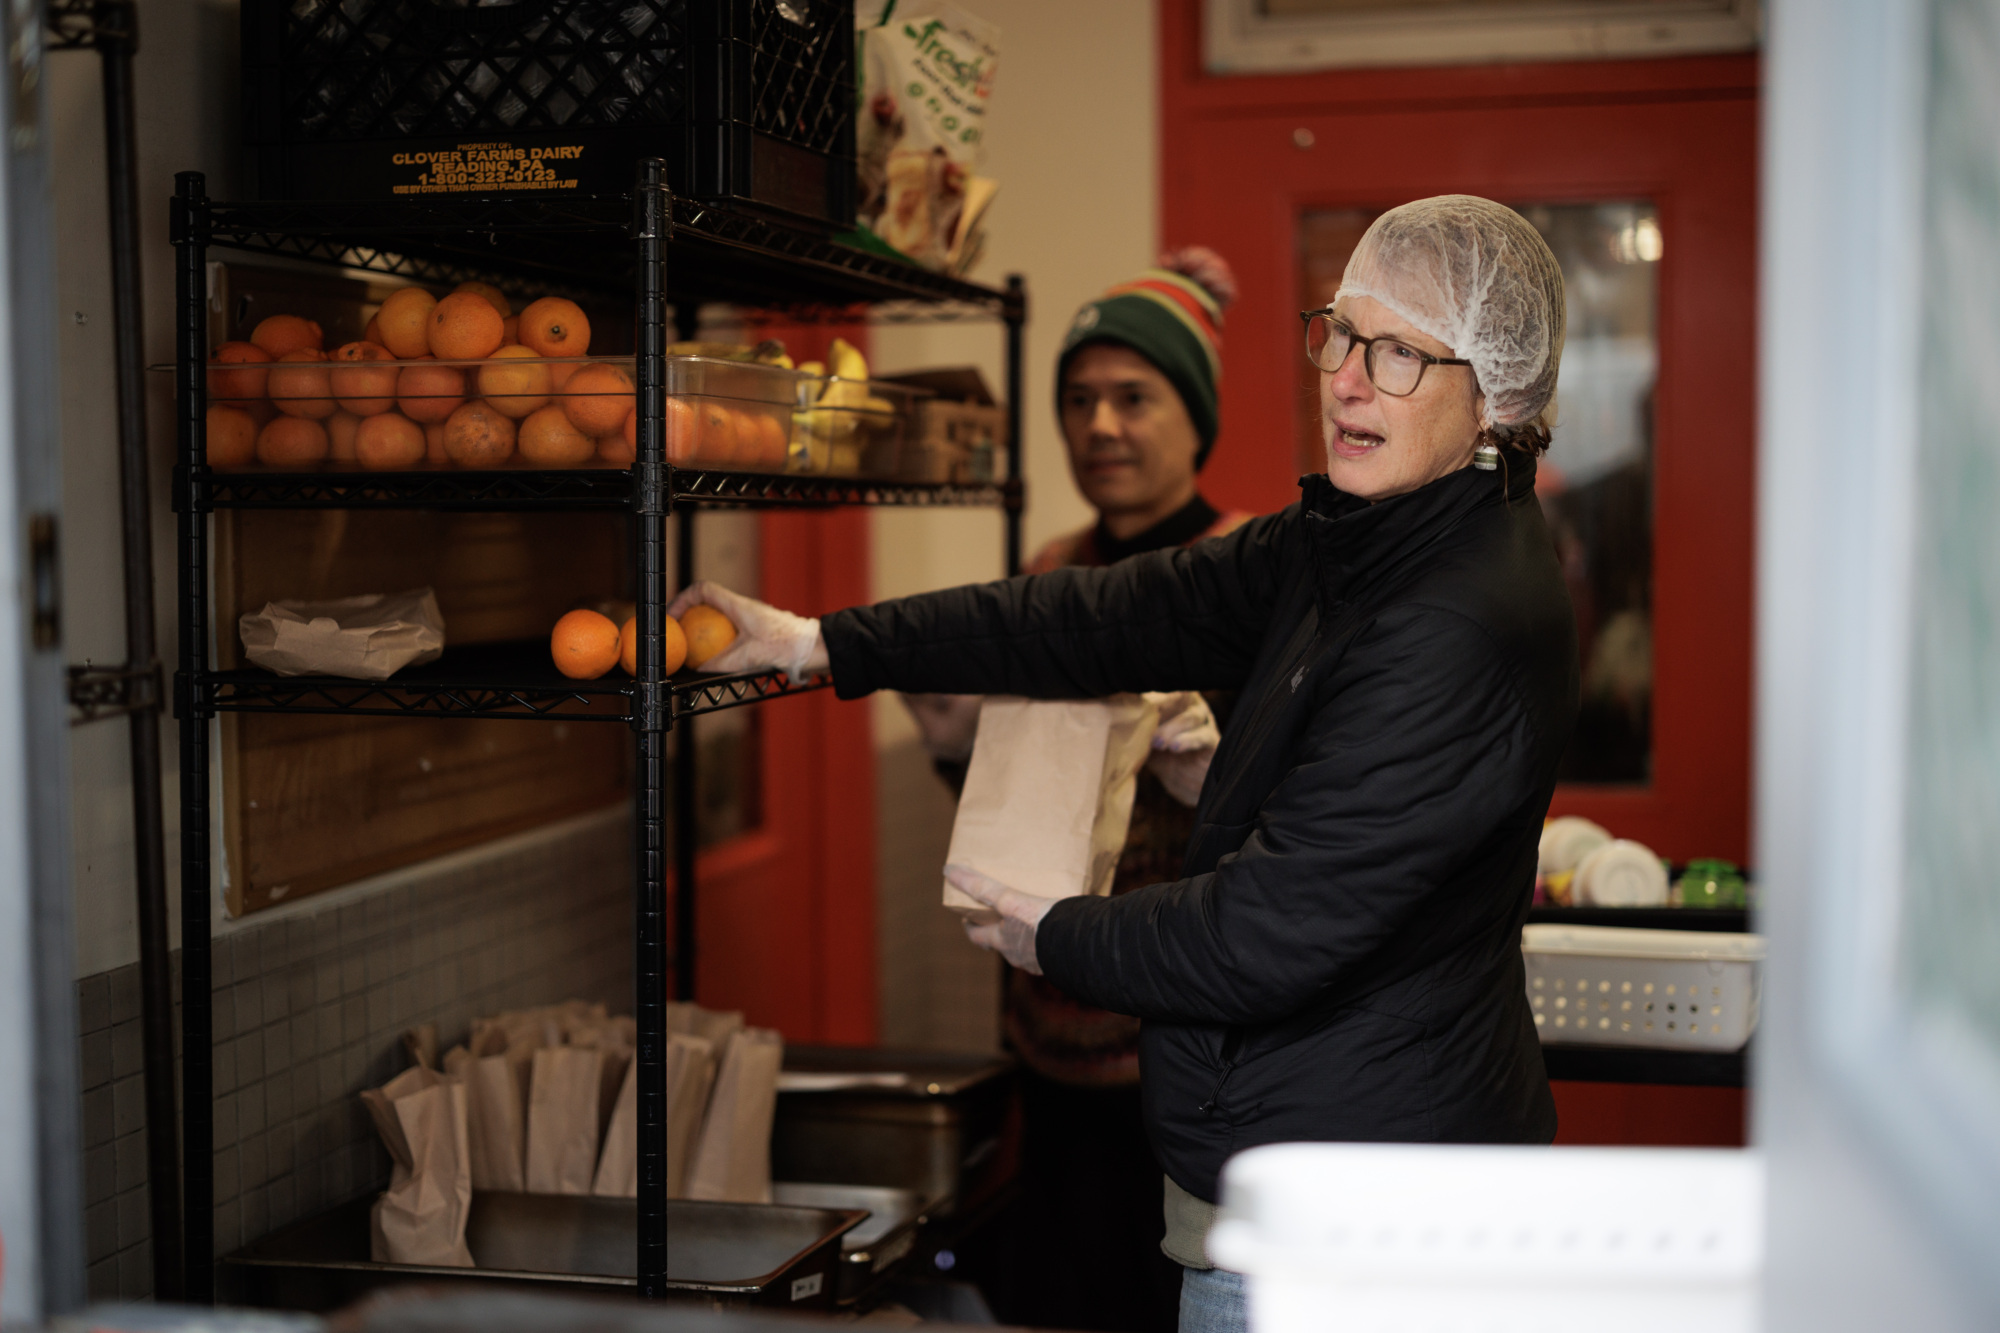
{"x": 1422, "y": 1238}
{"x": 1690, "y": 990}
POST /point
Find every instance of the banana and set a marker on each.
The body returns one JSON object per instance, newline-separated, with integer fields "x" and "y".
{"x": 848, "y": 363}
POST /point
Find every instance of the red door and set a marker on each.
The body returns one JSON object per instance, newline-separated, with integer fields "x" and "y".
{"x": 1248, "y": 163}
{"x": 786, "y": 908}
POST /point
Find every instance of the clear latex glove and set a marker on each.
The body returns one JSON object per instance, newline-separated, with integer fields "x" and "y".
{"x": 1013, "y": 935}
{"x": 1183, "y": 745}
{"x": 766, "y": 637}
{"x": 949, "y": 723}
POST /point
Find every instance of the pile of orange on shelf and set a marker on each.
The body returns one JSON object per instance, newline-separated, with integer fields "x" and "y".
{"x": 402, "y": 396}
{"x": 585, "y": 644}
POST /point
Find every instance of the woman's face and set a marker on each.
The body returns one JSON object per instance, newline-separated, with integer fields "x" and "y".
{"x": 1378, "y": 445}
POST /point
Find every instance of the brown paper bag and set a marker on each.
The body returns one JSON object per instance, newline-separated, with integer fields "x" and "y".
{"x": 690, "y": 1074}
{"x": 618, "y": 1165}
{"x": 420, "y": 1218}
{"x": 732, "y": 1158}
{"x": 562, "y": 1119}
{"x": 421, "y": 1044}
{"x": 1048, "y": 794}
{"x": 711, "y": 1025}
{"x": 497, "y": 1113}
{"x": 691, "y": 1063}
{"x": 366, "y": 638}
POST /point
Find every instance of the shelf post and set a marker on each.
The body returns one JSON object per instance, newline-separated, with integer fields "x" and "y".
{"x": 1014, "y": 493}
{"x": 652, "y": 223}
{"x": 117, "y": 41}
{"x": 190, "y": 229}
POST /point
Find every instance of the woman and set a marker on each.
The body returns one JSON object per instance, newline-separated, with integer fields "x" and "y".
{"x": 1341, "y": 957}
{"x": 1136, "y": 396}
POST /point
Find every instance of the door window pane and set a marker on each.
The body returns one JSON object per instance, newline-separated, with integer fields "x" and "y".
{"x": 1596, "y": 484}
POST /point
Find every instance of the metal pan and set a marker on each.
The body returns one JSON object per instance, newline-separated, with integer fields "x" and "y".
{"x": 869, "y": 1253}
{"x": 727, "y": 1253}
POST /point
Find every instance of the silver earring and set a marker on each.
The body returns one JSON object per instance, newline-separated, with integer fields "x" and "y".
{"x": 1486, "y": 458}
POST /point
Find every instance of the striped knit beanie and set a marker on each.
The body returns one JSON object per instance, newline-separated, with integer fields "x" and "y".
{"x": 1172, "y": 316}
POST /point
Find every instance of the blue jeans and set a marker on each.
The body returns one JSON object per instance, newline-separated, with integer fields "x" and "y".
{"x": 1212, "y": 1301}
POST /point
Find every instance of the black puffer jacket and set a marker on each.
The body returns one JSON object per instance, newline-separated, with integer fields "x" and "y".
{"x": 1341, "y": 959}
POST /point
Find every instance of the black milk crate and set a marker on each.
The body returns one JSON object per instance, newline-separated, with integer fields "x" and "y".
{"x": 749, "y": 101}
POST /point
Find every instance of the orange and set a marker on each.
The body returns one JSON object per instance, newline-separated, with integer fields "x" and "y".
{"x": 478, "y": 436}
{"x": 549, "y": 440}
{"x": 683, "y": 430}
{"x": 340, "y": 428}
{"x": 232, "y": 436}
{"x": 373, "y": 333}
{"x": 365, "y": 392}
{"x": 238, "y": 385}
{"x": 708, "y": 632}
{"x": 510, "y": 330}
{"x": 494, "y": 296}
{"x": 404, "y": 322}
{"x": 555, "y": 327}
{"x": 301, "y": 385}
{"x": 389, "y": 441}
{"x": 465, "y": 327}
{"x": 598, "y": 398}
{"x": 287, "y": 333}
{"x": 673, "y": 646}
{"x": 761, "y": 439}
{"x": 429, "y": 392}
{"x": 615, "y": 448}
{"x": 292, "y": 442}
{"x": 434, "y": 450}
{"x": 514, "y": 390}
{"x": 584, "y": 645}
{"x": 715, "y": 428}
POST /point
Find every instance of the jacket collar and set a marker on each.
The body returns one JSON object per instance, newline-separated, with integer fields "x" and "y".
{"x": 1356, "y": 544}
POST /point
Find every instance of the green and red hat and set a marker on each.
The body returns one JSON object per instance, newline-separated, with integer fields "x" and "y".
{"x": 1172, "y": 316}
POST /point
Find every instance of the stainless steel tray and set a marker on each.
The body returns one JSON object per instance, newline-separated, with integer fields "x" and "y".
{"x": 923, "y": 1121}
{"x": 729, "y": 1253}
{"x": 870, "y": 1251}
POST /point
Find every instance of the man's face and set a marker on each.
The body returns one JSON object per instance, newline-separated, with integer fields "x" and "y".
{"x": 1131, "y": 442}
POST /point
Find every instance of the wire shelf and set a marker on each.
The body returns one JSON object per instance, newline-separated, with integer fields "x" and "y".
{"x": 505, "y": 680}
{"x": 593, "y": 488}
{"x": 716, "y": 253}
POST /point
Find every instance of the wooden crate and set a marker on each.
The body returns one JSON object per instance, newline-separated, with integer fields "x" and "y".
{"x": 960, "y": 435}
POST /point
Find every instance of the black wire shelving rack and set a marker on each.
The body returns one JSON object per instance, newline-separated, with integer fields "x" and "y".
{"x": 624, "y": 247}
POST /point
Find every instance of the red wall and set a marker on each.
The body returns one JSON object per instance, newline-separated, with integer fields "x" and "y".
{"x": 787, "y": 914}
{"x": 1682, "y": 132}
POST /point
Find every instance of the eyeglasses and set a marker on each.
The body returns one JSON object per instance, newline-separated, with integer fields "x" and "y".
{"x": 1393, "y": 367}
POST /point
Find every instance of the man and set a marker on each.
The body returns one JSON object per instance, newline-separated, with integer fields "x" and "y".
{"x": 1136, "y": 392}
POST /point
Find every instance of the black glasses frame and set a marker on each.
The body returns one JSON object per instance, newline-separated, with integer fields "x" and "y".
{"x": 1367, "y": 352}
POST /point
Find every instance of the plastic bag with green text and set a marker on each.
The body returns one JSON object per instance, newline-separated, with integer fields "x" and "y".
{"x": 927, "y": 75}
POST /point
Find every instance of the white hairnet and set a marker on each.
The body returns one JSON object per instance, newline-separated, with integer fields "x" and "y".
{"x": 1477, "y": 277}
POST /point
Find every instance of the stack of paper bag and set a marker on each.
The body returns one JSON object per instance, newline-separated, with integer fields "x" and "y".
{"x": 1048, "y": 794}
{"x": 546, "y": 1101}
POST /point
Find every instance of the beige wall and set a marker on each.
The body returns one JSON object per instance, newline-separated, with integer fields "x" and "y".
{"x": 1073, "y": 144}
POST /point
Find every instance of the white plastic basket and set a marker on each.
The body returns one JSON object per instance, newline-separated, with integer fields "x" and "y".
{"x": 1674, "y": 989}
{"x": 1426, "y": 1238}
